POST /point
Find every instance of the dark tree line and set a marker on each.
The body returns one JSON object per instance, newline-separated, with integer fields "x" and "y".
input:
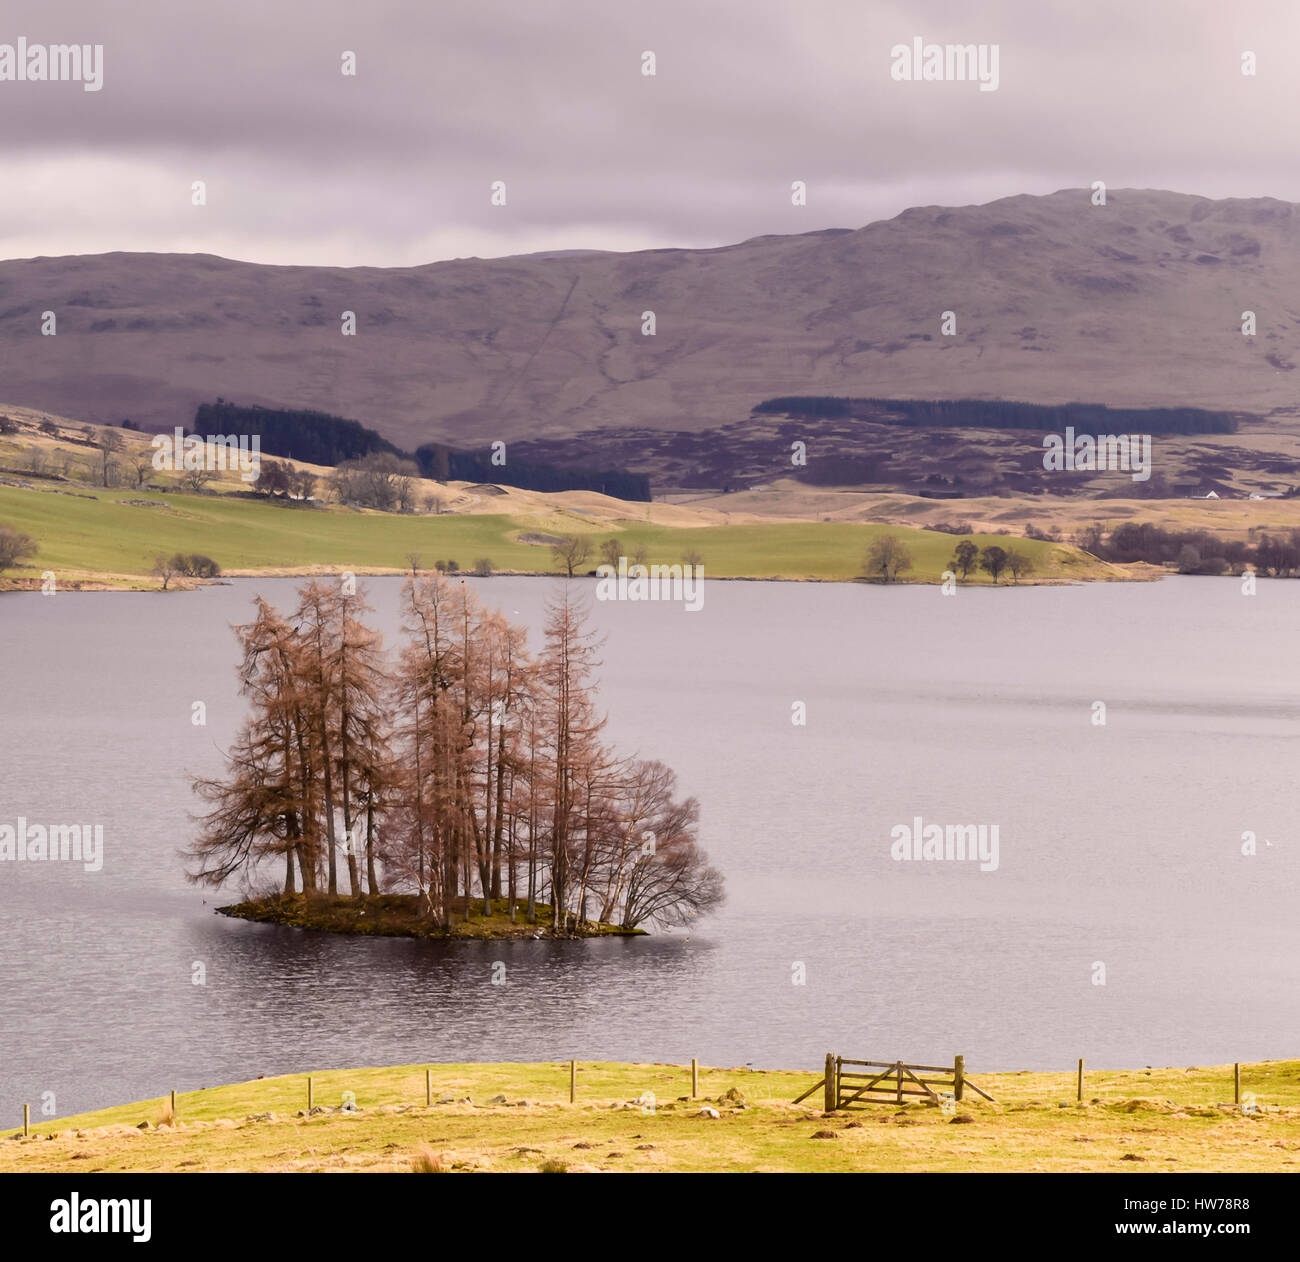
{"x": 319, "y": 438}
{"x": 993, "y": 559}
{"x": 1085, "y": 418}
{"x": 1193, "y": 551}
{"x": 312, "y": 437}
{"x": 444, "y": 464}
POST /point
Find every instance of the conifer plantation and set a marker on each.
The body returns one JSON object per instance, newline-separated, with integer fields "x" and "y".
{"x": 460, "y": 771}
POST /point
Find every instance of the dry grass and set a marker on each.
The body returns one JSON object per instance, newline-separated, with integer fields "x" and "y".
{"x": 1156, "y": 1120}
{"x": 426, "y": 1161}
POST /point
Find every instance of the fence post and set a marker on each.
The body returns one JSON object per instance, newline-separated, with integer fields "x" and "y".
{"x": 695, "y": 1077}
{"x": 173, "y": 1106}
{"x": 958, "y": 1076}
{"x": 1079, "y": 1095}
{"x": 27, "y": 1120}
{"x": 573, "y": 1081}
{"x": 831, "y": 1093}
{"x": 428, "y": 1088}
{"x": 309, "y": 1100}
{"x": 898, "y": 1065}
{"x": 1236, "y": 1083}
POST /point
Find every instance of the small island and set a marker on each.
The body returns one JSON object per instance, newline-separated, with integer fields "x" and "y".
{"x": 401, "y": 916}
{"x": 458, "y": 787}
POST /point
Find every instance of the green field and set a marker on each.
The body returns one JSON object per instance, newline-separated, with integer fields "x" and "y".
{"x": 517, "y": 1117}
{"x": 108, "y": 537}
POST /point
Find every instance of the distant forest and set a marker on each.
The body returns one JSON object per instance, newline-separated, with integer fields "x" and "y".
{"x": 1086, "y": 418}
{"x": 442, "y": 463}
{"x": 313, "y": 437}
{"x": 319, "y": 438}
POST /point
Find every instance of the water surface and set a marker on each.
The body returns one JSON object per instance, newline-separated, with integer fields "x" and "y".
{"x": 1119, "y": 845}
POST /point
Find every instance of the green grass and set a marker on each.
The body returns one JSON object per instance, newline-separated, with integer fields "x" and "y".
{"x": 107, "y": 537}
{"x": 399, "y": 916}
{"x": 1152, "y": 1120}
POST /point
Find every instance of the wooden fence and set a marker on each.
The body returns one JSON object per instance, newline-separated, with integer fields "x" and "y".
{"x": 890, "y": 1082}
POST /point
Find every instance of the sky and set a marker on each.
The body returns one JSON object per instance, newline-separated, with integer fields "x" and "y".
{"x": 394, "y": 166}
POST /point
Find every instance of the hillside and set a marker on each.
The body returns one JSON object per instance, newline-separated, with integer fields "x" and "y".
{"x": 92, "y": 535}
{"x": 1135, "y": 303}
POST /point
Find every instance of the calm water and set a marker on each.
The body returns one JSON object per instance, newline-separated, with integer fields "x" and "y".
{"x": 1118, "y": 844}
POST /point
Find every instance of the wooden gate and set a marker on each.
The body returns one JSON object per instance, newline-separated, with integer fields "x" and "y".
{"x": 890, "y": 1082}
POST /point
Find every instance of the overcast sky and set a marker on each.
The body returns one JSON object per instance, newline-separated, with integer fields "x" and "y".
{"x": 394, "y": 166}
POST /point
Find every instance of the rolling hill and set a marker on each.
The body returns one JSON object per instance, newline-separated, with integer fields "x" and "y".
{"x": 1137, "y": 303}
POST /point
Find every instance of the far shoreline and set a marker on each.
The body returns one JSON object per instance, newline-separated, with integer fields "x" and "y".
{"x": 1133, "y": 572}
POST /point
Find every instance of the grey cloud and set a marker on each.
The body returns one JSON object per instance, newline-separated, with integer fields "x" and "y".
{"x": 304, "y": 164}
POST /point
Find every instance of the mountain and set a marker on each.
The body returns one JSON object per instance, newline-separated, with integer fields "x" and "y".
{"x": 1135, "y": 303}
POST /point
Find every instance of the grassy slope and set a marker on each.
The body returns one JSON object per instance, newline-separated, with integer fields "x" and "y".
{"x": 1066, "y": 515}
{"x": 104, "y": 535}
{"x": 1168, "y": 1119}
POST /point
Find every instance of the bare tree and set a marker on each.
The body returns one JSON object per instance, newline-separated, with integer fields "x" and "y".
{"x": 109, "y": 442}
{"x": 964, "y": 557}
{"x": 571, "y": 551}
{"x": 673, "y": 885}
{"x": 318, "y": 612}
{"x": 1018, "y": 563}
{"x": 380, "y": 480}
{"x": 570, "y": 732}
{"x": 360, "y": 728}
{"x": 652, "y": 867}
{"x": 405, "y": 486}
{"x": 276, "y": 478}
{"x": 993, "y": 560}
{"x": 266, "y": 803}
{"x": 888, "y": 557}
{"x": 165, "y": 568}
{"x": 14, "y": 547}
{"x": 197, "y": 479}
{"x": 303, "y": 484}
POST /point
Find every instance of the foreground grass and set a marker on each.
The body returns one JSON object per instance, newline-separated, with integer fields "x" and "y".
{"x": 101, "y": 532}
{"x": 1154, "y": 1120}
